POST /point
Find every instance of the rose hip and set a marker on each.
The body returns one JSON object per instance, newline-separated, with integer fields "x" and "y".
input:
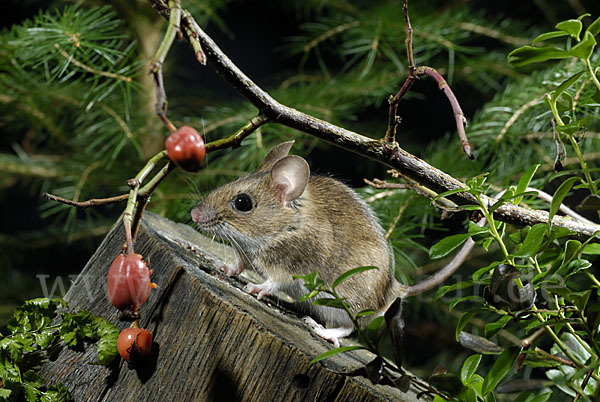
{"x": 134, "y": 344}
{"x": 128, "y": 282}
{"x": 186, "y": 148}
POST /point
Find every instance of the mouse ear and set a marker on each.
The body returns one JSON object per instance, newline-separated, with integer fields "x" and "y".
{"x": 290, "y": 177}
{"x": 280, "y": 151}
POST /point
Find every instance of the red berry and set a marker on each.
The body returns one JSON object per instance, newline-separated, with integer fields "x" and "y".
{"x": 128, "y": 282}
{"x": 186, "y": 148}
{"x": 134, "y": 343}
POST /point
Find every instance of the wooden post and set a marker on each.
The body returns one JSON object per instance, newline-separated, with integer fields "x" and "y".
{"x": 212, "y": 341}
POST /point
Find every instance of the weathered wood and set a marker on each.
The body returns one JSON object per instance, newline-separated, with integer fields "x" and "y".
{"x": 213, "y": 341}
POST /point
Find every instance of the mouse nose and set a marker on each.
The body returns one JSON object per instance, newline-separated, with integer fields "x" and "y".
{"x": 197, "y": 215}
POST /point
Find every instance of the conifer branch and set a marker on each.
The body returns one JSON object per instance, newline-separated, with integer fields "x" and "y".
{"x": 389, "y": 154}
{"x": 73, "y": 60}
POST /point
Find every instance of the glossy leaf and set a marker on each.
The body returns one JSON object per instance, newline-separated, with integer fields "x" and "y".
{"x": 528, "y": 54}
{"x": 325, "y": 301}
{"x": 464, "y": 320}
{"x": 500, "y": 369}
{"x": 472, "y": 298}
{"x": 572, "y": 27}
{"x": 349, "y": 274}
{"x": 591, "y": 249}
{"x": 469, "y": 368}
{"x": 524, "y": 182}
{"x": 549, "y": 35}
{"x": 594, "y": 27}
{"x": 559, "y": 196}
{"x": 450, "y": 288}
{"x": 583, "y": 50}
{"x": 493, "y": 327}
{"x": 334, "y": 352}
{"x": 533, "y": 241}
{"x": 447, "y": 245}
{"x": 566, "y": 84}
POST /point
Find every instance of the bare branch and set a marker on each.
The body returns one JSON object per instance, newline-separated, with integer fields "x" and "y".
{"x": 389, "y": 154}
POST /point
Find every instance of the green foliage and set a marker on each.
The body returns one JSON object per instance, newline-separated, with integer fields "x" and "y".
{"x": 34, "y": 329}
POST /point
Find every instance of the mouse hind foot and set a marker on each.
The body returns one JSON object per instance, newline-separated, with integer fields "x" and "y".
{"x": 332, "y": 335}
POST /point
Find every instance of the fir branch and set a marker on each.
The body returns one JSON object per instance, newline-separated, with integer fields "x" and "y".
{"x": 72, "y": 59}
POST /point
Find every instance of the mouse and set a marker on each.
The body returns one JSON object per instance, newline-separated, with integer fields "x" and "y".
{"x": 282, "y": 221}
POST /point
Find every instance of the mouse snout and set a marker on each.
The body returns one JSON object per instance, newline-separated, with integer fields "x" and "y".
{"x": 197, "y": 214}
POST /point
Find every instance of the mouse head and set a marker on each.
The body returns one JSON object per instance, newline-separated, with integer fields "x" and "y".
{"x": 256, "y": 207}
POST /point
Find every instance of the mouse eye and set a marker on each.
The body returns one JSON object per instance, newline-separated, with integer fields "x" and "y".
{"x": 242, "y": 202}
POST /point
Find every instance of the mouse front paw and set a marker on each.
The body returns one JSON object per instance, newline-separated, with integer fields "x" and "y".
{"x": 232, "y": 270}
{"x": 263, "y": 289}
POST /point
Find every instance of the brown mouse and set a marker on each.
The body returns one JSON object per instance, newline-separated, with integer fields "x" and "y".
{"x": 282, "y": 221}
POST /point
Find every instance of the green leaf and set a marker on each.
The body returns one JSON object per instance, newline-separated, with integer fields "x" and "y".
{"x": 44, "y": 338}
{"x": 500, "y": 369}
{"x": 591, "y": 249}
{"x": 349, "y": 274}
{"x": 472, "y": 298}
{"x": 594, "y": 27}
{"x": 449, "y": 192}
{"x": 580, "y": 299}
{"x": 549, "y": 35}
{"x": 564, "y": 103}
{"x": 365, "y": 313}
{"x": 464, "y": 320}
{"x": 56, "y": 393}
{"x": 449, "y": 288}
{"x": 376, "y": 323}
{"x": 524, "y": 182}
{"x": 107, "y": 342}
{"x": 469, "y": 367}
{"x": 559, "y": 196}
{"x": 572, "y": 27}
{"x": 584, "y": 49}
{"x": 310, "y": 295}
{"x": 565, "y": 85}
{"x": 34, "y": 381}
{"x": 475, "y": 229}
{"x": 533, "y": 241}
{"x": 334, "y": 352}
{"x": 447, "y": 245}
{"x": 528, "y": 54}
{"x": 493, "y": 327}
{"x": 570, "y": 128}
{"x": 325, "y": 301}
{"x": 13, "y": 347}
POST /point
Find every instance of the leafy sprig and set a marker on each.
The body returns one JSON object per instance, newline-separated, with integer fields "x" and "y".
{"x": 34, "y": 328}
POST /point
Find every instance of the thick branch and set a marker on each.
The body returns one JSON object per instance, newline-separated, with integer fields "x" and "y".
{"x": 389, "y": 154}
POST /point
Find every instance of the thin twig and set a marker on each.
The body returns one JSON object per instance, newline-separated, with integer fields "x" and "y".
{"x": 555, "y": 358}
{"x": 193, "y": 38}
{"x": 161, "y": 53}
{"x": 94, "y": 202}
{"x": 459, "y": 116}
